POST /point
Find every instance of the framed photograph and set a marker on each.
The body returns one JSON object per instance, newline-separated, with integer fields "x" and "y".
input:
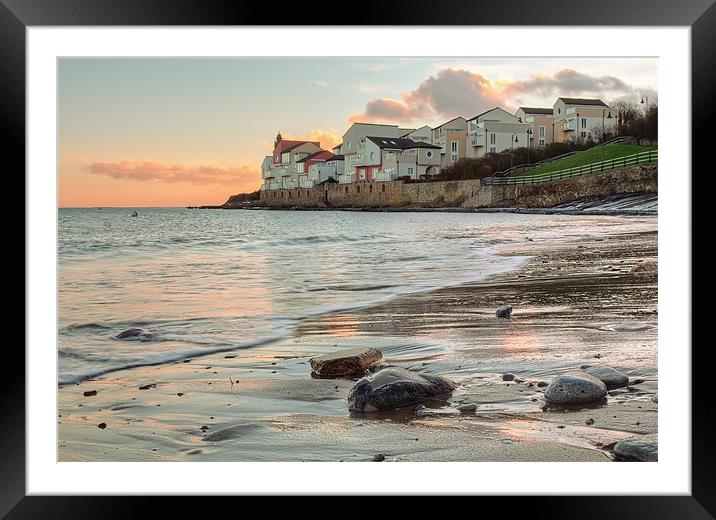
{"x": 455, "y": 242}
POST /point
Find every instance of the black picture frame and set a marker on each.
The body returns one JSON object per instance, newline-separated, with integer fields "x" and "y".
{"x": 700, "y": 15}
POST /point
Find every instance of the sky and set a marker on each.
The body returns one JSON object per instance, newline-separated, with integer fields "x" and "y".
{"x": 137, "y": 132}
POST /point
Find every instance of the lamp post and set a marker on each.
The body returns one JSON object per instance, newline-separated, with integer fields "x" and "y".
{"x": 646, "y": 111}
{"x": 529, "y": 140}
{"x": 512, "y": 144}
{"x": 603, "y": 128}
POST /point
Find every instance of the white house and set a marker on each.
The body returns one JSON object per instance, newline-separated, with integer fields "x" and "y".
{"x": 494, "y": 131}
{"x": 354, "y": 141}
{"x": 281, "y": 172}
{"x": 388, "y": 158}
{"x": 321, "y": 171}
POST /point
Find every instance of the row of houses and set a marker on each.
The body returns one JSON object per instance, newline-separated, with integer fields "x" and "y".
{"x": 380, "y": 152}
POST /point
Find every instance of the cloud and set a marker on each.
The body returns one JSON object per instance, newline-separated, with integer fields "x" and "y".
{"x": 447, "y": 94}
{"x": 320, "y": 83}
{"x": 328, "y": 139}
{"x": 452, "y": 92}
{"x": 570, "y": 82}
{"x": 146, "y": 171}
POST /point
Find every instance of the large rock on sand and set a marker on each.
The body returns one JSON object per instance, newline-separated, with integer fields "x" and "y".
{"x": 349, "y": 362}
{"x": 609, "y": 376}
{"x": 135, "y": 333}
{"x": 636, "y": 450}
{"x": 574, "y": 388}
{"x": 394, "y": 387}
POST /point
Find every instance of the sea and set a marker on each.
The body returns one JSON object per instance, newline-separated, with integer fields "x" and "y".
{"x": 203, "y": 281}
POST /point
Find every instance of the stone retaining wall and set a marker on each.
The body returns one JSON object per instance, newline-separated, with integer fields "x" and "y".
{"x": 468, "y": 193}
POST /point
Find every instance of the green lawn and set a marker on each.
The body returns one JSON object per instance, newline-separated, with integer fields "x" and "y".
{"x": 611, "y": 151}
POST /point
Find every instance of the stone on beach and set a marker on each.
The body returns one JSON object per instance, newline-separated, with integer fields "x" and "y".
{"x": 508, "y": 377}
{"x": 395, "y": 387}
{"x": 467, "y": 408}
{"x": 645, "y": 267}
{"x": 349, "y": 362}
{"x": 609, "y": 376}
{"x": 574, "y": 388}
{"x": 504, "y": 311}
{"x": 134, "y": 332}
{"x": 643, "y": 451}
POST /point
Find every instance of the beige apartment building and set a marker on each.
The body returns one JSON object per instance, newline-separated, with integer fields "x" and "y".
{"x": 541, "y": 121}
{"x": 494, "y": 131}
{"x": 451, "y": 137}
{"x": 576, "y": 118}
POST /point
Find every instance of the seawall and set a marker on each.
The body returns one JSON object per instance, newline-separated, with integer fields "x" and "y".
{"x": 467, "y": 193}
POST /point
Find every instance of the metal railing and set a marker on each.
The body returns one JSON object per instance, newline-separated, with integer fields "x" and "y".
{"x": 576, "y": 171}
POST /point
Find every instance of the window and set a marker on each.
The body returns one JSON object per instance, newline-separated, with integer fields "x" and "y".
{"x": 362, "y": 175}
{"x": 583, "y": 134}
{"x": 453, "y": 146}
{"x": 346, "y": 189}
{"x": 299, "y": 167}
{"x": 541, "y": 131}
{"x": 382, "y": 188}
{"x": 307, "y": 193}
{"x": 285, "y": 157}
{"x": 410, "y": 170}
{"x": 559, "y": 111}
{"x": 493, "y": 138}
{"x": 584, "y": 122}
{"x": 493, "y": 149}
{"x": 541, "y": 142}
{"x": 370, "y": 188}
{"x": 372, "y": 156}
{"x": 357, "y": 189}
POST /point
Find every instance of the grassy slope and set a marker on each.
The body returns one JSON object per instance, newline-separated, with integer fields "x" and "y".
{"x": 611, "y": 151}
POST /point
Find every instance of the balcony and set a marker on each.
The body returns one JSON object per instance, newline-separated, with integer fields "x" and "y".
{"x": 478, "y": 140}
{"x": 570, "y": 125}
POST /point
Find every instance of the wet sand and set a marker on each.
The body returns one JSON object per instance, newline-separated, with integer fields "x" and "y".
{"x": 575, "y": 303}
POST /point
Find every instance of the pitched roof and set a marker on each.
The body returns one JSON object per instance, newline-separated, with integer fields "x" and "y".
{"x": 582, "y": 101}
{"x": 286, "y": 145}
{"x": 528, "y": 110}
{"x": 337, "y": 158}
{"x": 486, "y": 111}
{"x": 399, "y": 143}
{"x": 320, "y": 155}
{"x": 450, "y": 121}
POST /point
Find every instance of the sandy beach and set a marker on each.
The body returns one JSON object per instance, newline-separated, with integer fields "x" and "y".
{"x": 576, "y": 303}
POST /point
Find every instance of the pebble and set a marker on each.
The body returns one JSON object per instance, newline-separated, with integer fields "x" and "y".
{"x": 609, "y": 376}
{"x": 508, "y": 377}
{"x": 542, "y": 384}
{"x": 589, "y": 421}
{"x": 379, "y": 457}
{"x": 505, "y": 311}
{"x": 102, "y": 426}
{"x": 467, "y": 408}
{"x": 90, "y": 393}
{"x": 345, "y": 362}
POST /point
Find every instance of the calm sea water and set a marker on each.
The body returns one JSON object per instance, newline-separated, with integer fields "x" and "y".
{"x": 208, "y": 280}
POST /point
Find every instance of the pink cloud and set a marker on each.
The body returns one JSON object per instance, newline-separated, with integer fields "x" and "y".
{"x": 458, "y": 92}
{"x": 145, "y": 171}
